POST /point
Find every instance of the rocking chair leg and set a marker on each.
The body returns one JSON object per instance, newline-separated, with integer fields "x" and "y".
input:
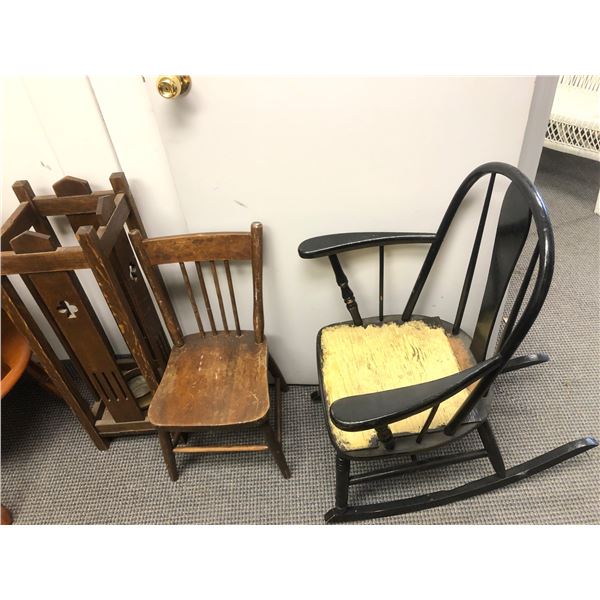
{"x": 342, "y": 481}
{"x": 276, "y": 451}
{"x": 167, "y": 450}
{"x": 277, "y": 374}
{"x": 342, "y": 485}
{"x": 489, "y": 443}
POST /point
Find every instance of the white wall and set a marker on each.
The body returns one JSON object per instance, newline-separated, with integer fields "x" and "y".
{"x": 304, "y": 156}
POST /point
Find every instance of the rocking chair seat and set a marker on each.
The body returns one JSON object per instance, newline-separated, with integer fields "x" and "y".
{"x": 384, "y": 356}
{"x": 213, "y": 380}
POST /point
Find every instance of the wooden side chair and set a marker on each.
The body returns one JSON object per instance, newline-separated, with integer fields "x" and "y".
{"x": 405, "y": 385}
{"x": 215, "y": 379}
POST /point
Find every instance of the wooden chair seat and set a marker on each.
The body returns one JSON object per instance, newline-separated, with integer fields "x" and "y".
{"x": 361, "y": 360}
{"x": 213, "y": 381}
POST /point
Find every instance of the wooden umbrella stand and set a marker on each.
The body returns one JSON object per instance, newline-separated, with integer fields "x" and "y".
{"x": 123, "y": 387}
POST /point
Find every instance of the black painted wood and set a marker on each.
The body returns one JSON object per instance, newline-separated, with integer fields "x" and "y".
{"x": 474, "y": 488}
{"x": 367, "y": 411}
{"x": 522, "y": 362}
{"x": 347, "y": 294}
{"x": 462, "y": 303}
{"x": 514, "y": 313}
{"x": 522, "y": 205}
{"x": 325, "y": 245}
{"x": 417, "y": 465}
{"x": 513, "y": 227}
{"x": 342, "y": 481}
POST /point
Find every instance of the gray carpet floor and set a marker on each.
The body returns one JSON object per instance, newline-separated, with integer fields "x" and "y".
{"x": 52, "y": 474}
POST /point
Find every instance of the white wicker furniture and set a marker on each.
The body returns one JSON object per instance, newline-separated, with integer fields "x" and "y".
{"x": 574, "y": 125}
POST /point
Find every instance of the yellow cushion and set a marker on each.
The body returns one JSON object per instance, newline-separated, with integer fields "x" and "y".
{"x": 361, "y": 360}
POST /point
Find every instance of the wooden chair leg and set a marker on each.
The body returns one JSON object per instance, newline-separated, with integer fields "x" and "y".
{"x": 278, "y": 412}
{"x": 167, "y": 449}
{"x": 489, "y": 443}
{"x": 276, "y": 451}
{"x": 274, "y": 369}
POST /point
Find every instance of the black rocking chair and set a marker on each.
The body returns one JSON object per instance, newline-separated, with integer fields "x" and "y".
{"x": 406, "y": 385}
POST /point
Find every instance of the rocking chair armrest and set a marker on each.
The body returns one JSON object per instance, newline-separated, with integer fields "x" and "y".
{"x": 325, "y": 245}
{"x": 368, "y": 411}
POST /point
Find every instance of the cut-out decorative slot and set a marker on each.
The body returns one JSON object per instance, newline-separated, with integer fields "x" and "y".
{"x": 133, "y": 272}
{"x": 66, "y": 308}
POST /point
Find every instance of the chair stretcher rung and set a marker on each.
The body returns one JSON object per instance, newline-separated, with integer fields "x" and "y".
{"x": 419, "y": 465}
{"x": 196, "y": 449}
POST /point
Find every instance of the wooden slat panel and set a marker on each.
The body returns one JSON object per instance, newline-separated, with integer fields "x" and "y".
{"x": 117, "y": 302}
{"x": 61, "y": 259}
{"x": 198, "y": 247}
{"x": 24, "y": 243}
{"x": 83, "y": 333}
{"x": 126, "y": 267}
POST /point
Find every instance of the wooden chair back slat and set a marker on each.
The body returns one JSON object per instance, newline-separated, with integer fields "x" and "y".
{"x": 232, "y": 298}
{"x": 213, "y": 269}
{"x": 209, "y": 312}
{"x": 190, "y": 294}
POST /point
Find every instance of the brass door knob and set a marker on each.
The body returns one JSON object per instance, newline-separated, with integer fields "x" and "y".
{"x": 173, "y": 86}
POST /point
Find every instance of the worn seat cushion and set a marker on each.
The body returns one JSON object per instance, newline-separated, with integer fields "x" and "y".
{"x": 361, "y": 360}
